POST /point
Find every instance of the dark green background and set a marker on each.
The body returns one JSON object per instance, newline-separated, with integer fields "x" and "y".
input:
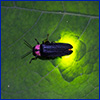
{"x": 46, "y": 79}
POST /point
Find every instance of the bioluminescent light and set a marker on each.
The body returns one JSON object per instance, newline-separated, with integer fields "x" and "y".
{"x": 70, "y": 66}
{"x": 67, "y": 60}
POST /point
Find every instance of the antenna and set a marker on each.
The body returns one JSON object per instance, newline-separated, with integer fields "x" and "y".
{"x": 27, "y": 44}
{"x": 29, "y": 52}
{"x": 26, "y": 54}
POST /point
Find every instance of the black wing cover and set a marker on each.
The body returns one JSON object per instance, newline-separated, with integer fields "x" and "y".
{"x": 52, "y": 50}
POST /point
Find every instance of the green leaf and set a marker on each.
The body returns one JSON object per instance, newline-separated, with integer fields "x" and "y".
{"x": 74, "y": 76}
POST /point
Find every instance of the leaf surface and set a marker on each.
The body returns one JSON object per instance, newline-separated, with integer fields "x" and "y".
{"x": 70, "y": 77}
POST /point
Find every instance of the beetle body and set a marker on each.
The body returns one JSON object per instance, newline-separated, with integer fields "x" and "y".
{"x": 50, "y": 50}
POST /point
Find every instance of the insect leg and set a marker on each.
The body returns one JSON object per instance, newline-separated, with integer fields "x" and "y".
{"x": 46, "y": 40}
{"x": 47, "y": 36}
{"x": 52, "y": 42}
{"x": 37, "y": 41}
{"x": 33, "y": 59}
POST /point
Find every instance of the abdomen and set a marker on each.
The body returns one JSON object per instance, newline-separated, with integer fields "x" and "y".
{"x": 53, "y": 50}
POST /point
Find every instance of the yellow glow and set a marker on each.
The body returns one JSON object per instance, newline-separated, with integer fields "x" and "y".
{"x": 67, "y": 60}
